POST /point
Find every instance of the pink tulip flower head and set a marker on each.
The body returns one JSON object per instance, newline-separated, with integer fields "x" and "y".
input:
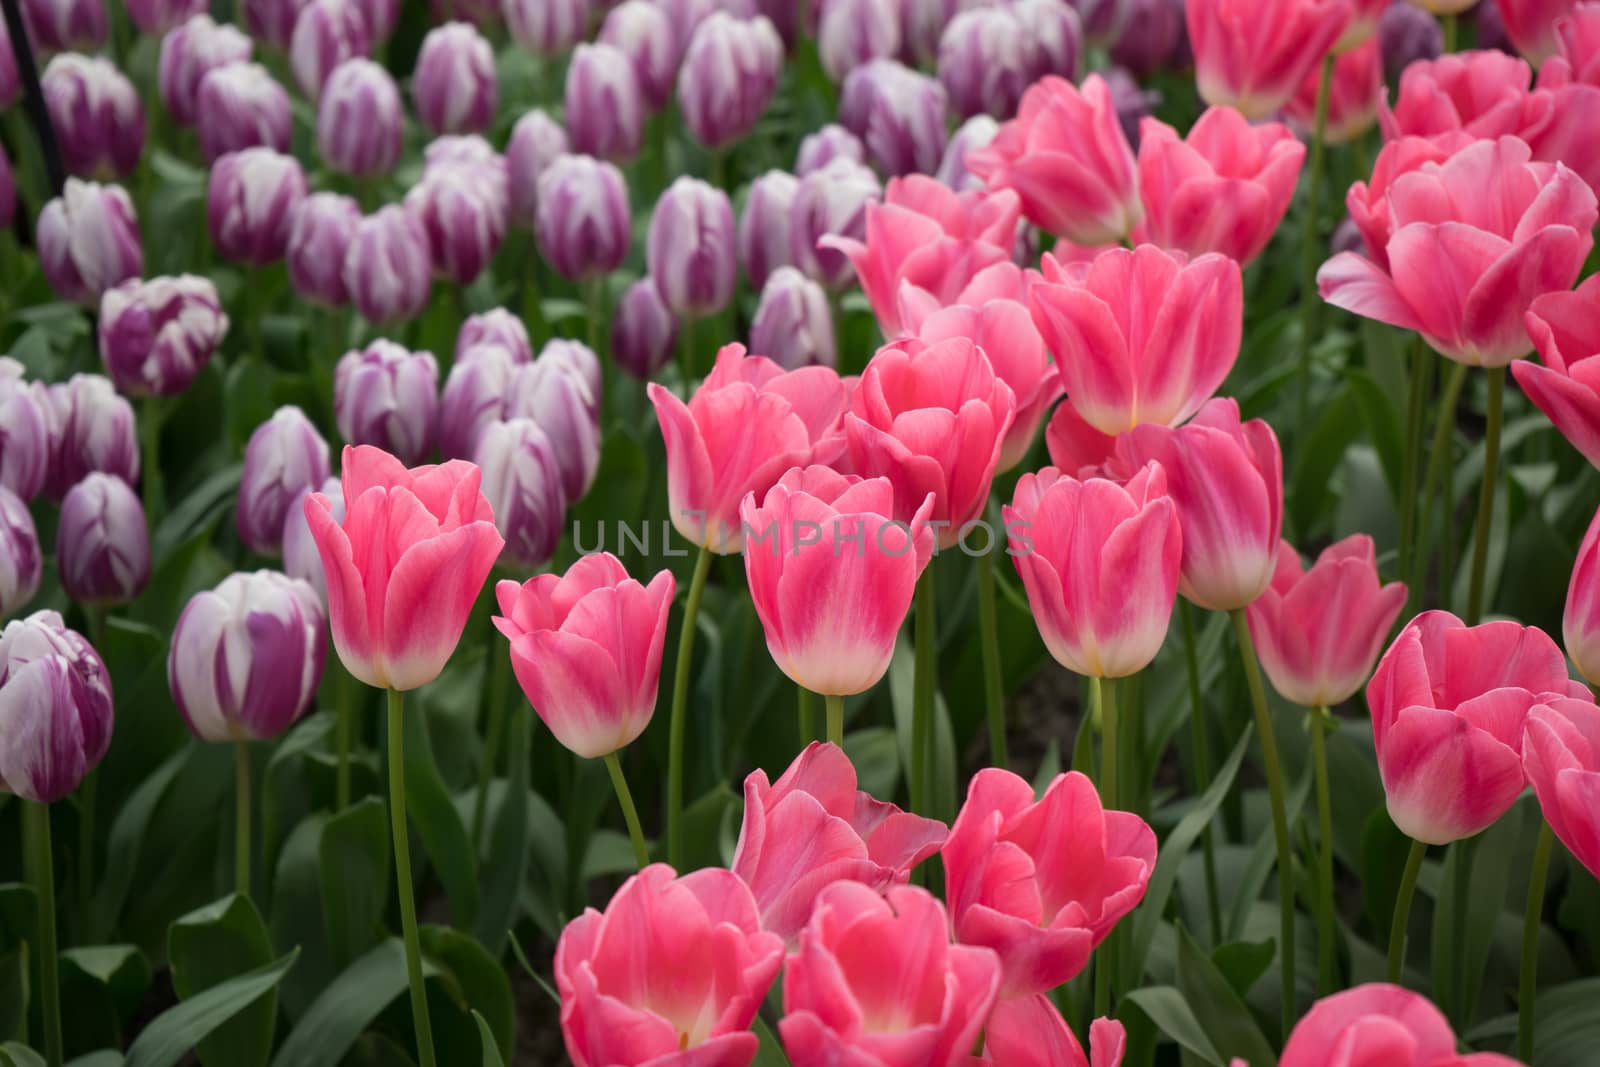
{"x": 1532, "y": 25}
{"x": 1354, "y": 95}
{"x": 1481, "y": 93}
{"x": 55, "y": 708}
{"x": 1253, "y": 54}
{"x": 1580, "y": 624}
{"x": 1030, "y": 1032}
{"x": 1561, "y": 755}
{"x": 1368, "y": 201}
{"x": 1565, "y": 328}
{"x": 1379, "y": 1024}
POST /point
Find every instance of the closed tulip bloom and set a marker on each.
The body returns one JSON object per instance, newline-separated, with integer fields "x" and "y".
{"x": 691, "y": 248}
{"x": 986, "y": 60}
{"x": 320, "y": 233}
{"x": 1224, "y": 188}
{"x": 1319, "y": 631}
{"x": 1580, "y": 625}
{"x": 764, "y": 225}
{"x": 397, "y": 608}
{"x": 604, "y": 108}
{"x": 578, "y": 360}
{"x": 793, "y": 325}
{"x": 26, "y": 418}
{"x": 1531, "y": 25}
{"x": 1566, "y": 331}
{"x": 1407, "y": 35}
{"x": 453, "y": 86}
{"x": 612, "y": 969}
{"x": 497, "y": 326}
{"x": 246, "y": 657}
{"x": 98, "y": 119}
{"x": 1030, "y": 1032}
{"x": 1533, "y": 241}
{"x": 55, "y": 708}
{"x": 820, "y": 148}
{"x": 1099, "y": 562}
{"x": 584, "y": 228}
{"x": 1448, "y": 703}
{"x": 830, "y": 202}
{"x": 747, "y": 423}
{"x": 360, "y": 119}
{"x": 644, "y": 331}
{"x": 866, "y": 958}
{"x": 1042, "y": 882}
{"x": 475, "y": 160}
{"x": 188, "y": 54}
{"x": 1067, "y": 158}
{"x": 300, "y": 557}
{"x": 475, "y": 395}
{"x": 922, "y": 23}
{"x": 853, "y": 32}
{"x": 729, "y": 74}
{"x": 1377, "y": 1023}
{"x": 284, "y": 457}
{"x": 970, "y": 136}
{"x": 65, "y": 25}
{"x": 388, "y": 397}
{"x": 102, "y": 543}
{"x": 1483, "y": 93}
{"x": 88, "y": 241}
{"x": 1354, "y": 95}
{"x": 1577, "y": 44}
{"x": 522, "y": 483}
{"x": 464, "y": 219}
{"x": 537, "y": 140}
{"x": 157, "y": 17}
{"x": 643, "y": 32}
{"x": 1057, "y": 34}
{"x": 250, "y": 203}
{"x": 91, "y": 429}
{"x": 156, "y": 335}
{"x": 558, "y": 397}
{"x": 272, "y": 21}
{"x": 1561, "y": 755}
{"x": 547, "y": 27}
{"x": 1252, "y": 55}
{"x": 239, "y": 106}
{"x": 326, "y": 33}
{"x": 388, "y": 270}
{"x": 1154, "y": 37}
{"x": 898, "y": 113}
{"x": 21, "y": 561}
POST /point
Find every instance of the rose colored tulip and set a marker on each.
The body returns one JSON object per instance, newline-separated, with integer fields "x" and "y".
{"x": 691, "y": 249}
{"x": 1030, "y": 1032}
{"x": 1042, "y": 882}
{"x": 1224, "y": 188}
{"x": 388, "y": 397}
{"x": 626, "y": 998}
{"x": 21, "y": 561}
{"x": 975, "y": 133}
{"x": 876, "y": 981}
{"x": 1145, "y": 336}
{"x": 547, "y": 27}
{"x": 1253, "y": 54}
{"x": 604, "y": 107}
{"x": 388, "y": 269}
{"x": 830, "y": 202}
{"x": 1099, "y": 562}
{"x": 728, "y": 76}
{"x": 1580, "y": 625}
{"x": 246, "y": 657}
{"x": 320, "y": 233}
{"x": 586, "y": 648}
{"x": 284, "y": 457}
{"x": 831, "y": 142}
{"x": 326, "y": 33}
{"x": 1368, "y": 202}
{"x": 1354, "y": 95}
{"x": 156, "y": 335}
{"x": 1577, "y": 42}
{"x": 1319, "y": 631}
{"x": 65, "y": 25}
{"x": 1154, "y": 37}
{"x": 98, "y": 119}
{"x": 764, "y": 226}
{"x": 747, "y": 423}
{"x": 1561, "y": 756}
{"x": 102, "y": 543}
{"x": 88, "y": 241}
{"x": 1448, "y": 703}
{"x": 465, "y": 218}
{"x": 239, "y": 106}
{"x": 1531, "y": 25}
{"x": 898, "y": 113}
{"x": 26, "y": 418}
{"x": 360, "y": 119}
{"x": 1566, "y": 331}
{"x": 536, "y": 142}
{"x": 1484, "y": 93}
{"x": 91, "y": 429}
{"x": 1067, "y": 158}
{"x": 453, "y": 87}
{"x": 819, "y": 537}
{"x": 793, "y": 325}
{"x": 644, "y": 331}
{"x": 250, "y": 203}
{"x": 157, "y": 17}
{"x": 272, "y": 21}
{"x": 851, "y": 33}
{"x": 584, "y": 228}
{"x": 1379, "y": 1024}
{"x": 643, "y": 32}
{"x": 55, "y": 708}
{"x": 300, "y": 558}
{"x": 522, "y": 483}
{"x": 398, "y": 614}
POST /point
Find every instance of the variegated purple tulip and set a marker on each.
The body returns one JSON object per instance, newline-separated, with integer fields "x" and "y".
{"x": 577, "y": 358}
{"x": 584, "y": 226}
{"x": 327, "y": 33}
{"x": 1055, "y": 33}
{"x": 65, "y": 25}
{"x": 729, "y": 74}
{"x": 764, "y": 225}
{"x": 91, "y": 429}
{"x": 556, "y": 395}
{"x": 793, "y": 326}
{"x": 284, "y": 457}
{"x": 188, "y": 54}
{"x": 986, "y": 60}
{"x": 522, "y": 482}
{"x": 272, "y": 21}
{"x": 388, "y": 270}
{"x": 536, "y": 141}
{"x": 475, "y": 395}
{"x": 831, "y": 201}
{"x": 547, "y": 27}
{"x": 819, "y": 149}
{"x": 250, "y": 202}
{"x": 644, "y": 331}
{"x": 360, "y": 119}
{"x": 642, "y": 31}
{"x": 300, "y": 556}
{"x": 156, "y": 335}
{"x": 853, "y": 32}
{"x": 246, "y": 657}
{"x": 469, "y": 151}
{"x": 388, "y": 396}
{"x": 55, "y": 708}
{"x": 464, "y": 219}
{"x": 241, "y": 106}
{"x": 898, "y": 113}
{"x": 1102, "y": 19}
{"x": 320, "y": 232}
{"x": 604, "y": 107}
{"x": 88, "y": 241}
{"x": 25, "y": 431}
{"x": 971, "y": 135}
{"x": 496, "y": 326}
{"x": 453, "y": 87}
{"x": 686, "y": 17}
{"x": 98, "y": 119}
{"x": 1155, "y": 35}
{"x": 156, "y": 17}
{"x": 21, "y": 561}
{"x": 922, "y": 24}
{"x": 380, "y": 17}
{"x": 102, "y": 543}
{"x": 691, "y": 248}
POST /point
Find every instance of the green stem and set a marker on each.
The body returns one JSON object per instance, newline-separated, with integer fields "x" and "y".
{"x": 1402, "y": 912}
{"x": 402, "y": 874}
{"x": 1438, "y": 460}
{"x": 1451, "y": 33}
{"x": 994, "y": 699}
{"x": 1202, "y": 764}
{"x": 86, "y": 805}
{"x": 41, "y": 871}
{"x": 630, "y": 814}
{"x": 925, "y": 638}
{"x": 154, "y": 412}
{"x": 807, "y": 718}
{"x": 686, "y": 351}
{"x": 596, "y": 313}
{"x": 680, "y": 700}
{"x": 241, "y": 815}
{"x": 1528, "y": 997}
{"x": 835, "y": 719}
{"x": 1327, "y": 961}
{"x": 343, "y": 695}
{"x": 1421, "y": 375}
{"x": 1310, "y": 246}
{"x": 1280, "y": 818}
{"x": 1108, "y": 743}
{"x": 532, "y": 306}
{"x": 1491, "y": 477}
{"x": 495, "y": 696}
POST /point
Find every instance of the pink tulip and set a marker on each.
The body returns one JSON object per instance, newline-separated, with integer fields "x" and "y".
{"x": 1354, "y": 95}
{"x": 1578, "y": 42}
{"x": 877, "y": 982}
{"x": 931, "y": 419}
{"x": 749, "y": 421}
{"x": 1030, "y": 1032}
{"x": 1531, "y": 25}
{"x": 1580, "y": 623}
{"x": 404, "y": 566}
{"x": 925, "y": 236}
{"x": 812, "y": 828}
{"x": 1100, "y": 564}
{"x": 1448, "y": 703}
{"x": 1253, "y": 54}
{"x": 1145, "y": 336}
{"x": 1565, "y": 328}
{"x": 1066, "y": 156}
{"x": 1473, "y": 241}
{"x": 1561, "y": 755}
{"x": 586, "y": 648}
{"x": 1226, "y": 478}
{"x": 1042, "y": 882}
{"x": 1079, "y": 449}
{"x": 629, "y": 995}
{"x": 832, "y": 575}
{"x": 1368, "y": 202}
{"x": 1381, "y": 1026}
{"x": 1319, "y": 631}
{"x": 1484, "y": 93}
{"x": 1224, "y": 188}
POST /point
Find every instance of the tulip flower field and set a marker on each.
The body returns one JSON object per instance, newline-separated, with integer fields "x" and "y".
{"x": 829, "y": 533}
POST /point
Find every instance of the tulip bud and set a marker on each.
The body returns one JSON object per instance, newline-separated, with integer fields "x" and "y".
{"x": 986, "y": 61}
{"x": 240, "y": 106}
{"x": 642, "y": 31}
{"x": 300, "y": 556}
{"x": 25, "y": 432}
{"x": 547, "y": 27}
{"x": 853, "y": 32}
{"x": 494, "y": 327}
{"x": 272, "y": 21}
{"x": 970, "y": 136}
{"x": 379, "y": 16}
{"x": 188, "y": 54}
{"x": 91, "y": 429}
{"x": 464, "y": 220}
{"x": 102, "y": 544}
{"x": 1287, "y": 39}
{"x": 1354, "y": 94}
{"x": 65, "y": 25}
{"x": 557, "y": 397}
{"x": 686, "y": 17}
{"x": 1580, "y": 624}
{"x": 818, "y": 149}
{"x": 1056, "y": 34}
{"x": 156, "y": 335}
{"x": 284, "y": 457}
{"x": 691, "y": 248}
{"x": 453, "y": 86}
{"x": 729, "y": 74}
{"x": 470, "y": 153}
{"x": 388, "y": 270}
{"x": 644, "y": 331}
{"x": 578, "y": 359}
{"x": 536, "y": 141}
{"x": 764, "y": 225}
{"x": 1154, "y": 37}
{"x": 522, "y": 482}
{"x": 157, "y": 17}
{"x": 21, "y": 562}
{"x": 320, "y": 232}
{"x": 475, "y": 395}
{"x": 830, "y": 202}
{"x": 922, "y": 24}
{"x": 88, "y": 241}
{"x": 1407, "y": 34}
{"x": 898, "y": 113}
{"x": 10, "y": 79}
{"x": 250, "y": 202}
{"x": 584, "y": 227}
{"x": 604, "y": 109}
{"x": 327, "y": 33}
{"x": 360, "y": 119}
{"x": 388, "y": 397}
{"x": 55, "y": 699}
{"x": 793, "y": 326}
{"x": 98, "y": 119}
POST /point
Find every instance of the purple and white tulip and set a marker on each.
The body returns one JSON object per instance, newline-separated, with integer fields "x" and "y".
{"x": 764, "y": 225}
{"x": 88, "y": 241}
{"x": 643, "y": 32}
{"x": 25, "y": 420}
{"x": 691, "y": 248}
{"x": 250, "y": 204}
{"x": 320, "y": 233}
{"x": 793, "y": 326}
{"x": 327, "y": 33}
{"x": 97, "y": 115}
{"x": 899, "y": 115}
{"x": 730, "y": 72}
{"x": 495, "y": 326}
{"x": 102, "y": 543}
{"x": 831, "y": 201}
{"x": 644, "y": 331}
{"x": 522, "y": 482}
{"x": 360, "y": 120}
{"x": 239, "y": 106}
{"x": 388, "y": 270}
{"x": 284, "y": 457}
{"x": 55, "y": 708}
{"x": 584, "y": 227}
{"x": 188, "y": 54}
{"x": 157, "y": 335}
{"x": 388, "y": 396}
{"x": 604, "y": 105}
{"x": 92, "y": 428}
{"x": 21, "y": 561}
{"x": 453, "y": 87}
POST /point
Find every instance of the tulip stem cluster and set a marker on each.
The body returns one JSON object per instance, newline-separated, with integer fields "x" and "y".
{"x": 1402, "y": 911}
{"x": 1310, "y": 246}
{"x": 1486, "y": 492}
{"x": 925, "y": 638}
{"x": 993, "y": 688}
{"x": 835, "y": 719}
{"x": 1327, "y": 960}
{"x": 241, "y": 829}
{"x": 630, "y": 814}
{"x": 1106, "y": 702}
{"x": 41, "y": 873}
{"x": 680, "y": 700}
{"x": 1421, "y": 379}
{"x": 402, "y": 873}
{"x": 1438, "y": 459}
{"x": 1527, "y": 997}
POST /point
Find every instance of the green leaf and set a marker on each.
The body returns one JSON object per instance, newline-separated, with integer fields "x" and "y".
{"x": 101, "y": 988}
{"x": 902, "y": 674}
{"x": 127, "y": 838}
{"x": 876, "y": 757}
{"x": 508, "y": 841}
{"x": 491, "y": 1052}
{"x": 14, "y": 1055}
{"x": 308, "y": 735}
{"x": 444, "y": 836}
{"x": 297, "y": 916}
{"x": 1243, "y": 963}
{"x": 1222, "y": 1014}
{"x": 106, "y": 1057}
{"x": 1171, "y": 1013}
{"x": 472, "y": 979}
{"x": 14, "y": 991}
{"x": 213, "y": 945}
{"x": 354, "y": 861}
{"x": 178, "y": 1030}
{"x": 1264, "y": 857}
{"x": 346, "y": 1007}
{"x": 770, "y": 1053}
{"x": 702, "y": 827}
